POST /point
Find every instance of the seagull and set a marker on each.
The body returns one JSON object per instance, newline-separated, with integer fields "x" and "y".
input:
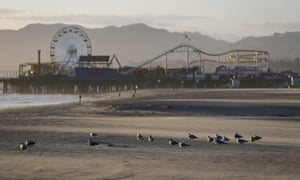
{"x": 182, "y": 144}
{"x": 217, "y": 141}
{"x": 22, "y": 146}
{"x": 240, "y": 141}
{"x": 90, "y": 142}
{"x": 218, "y": 136}
{"x": 172, "y": 142}
{"x": 29, "y": 143}
{"x": 255, "y": 138}
{"x": 150, "y": 138}
{"x": 237, "y": 136}
{"x": 225, "y": 138}
{"x": 139, "y": 137}
{"x": 192, "y": 136}
{"x": 92, "y": 134}
{"x": 210, "y": 139}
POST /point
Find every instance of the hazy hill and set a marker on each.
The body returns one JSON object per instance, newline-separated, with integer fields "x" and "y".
{"x": 132, "y": 44}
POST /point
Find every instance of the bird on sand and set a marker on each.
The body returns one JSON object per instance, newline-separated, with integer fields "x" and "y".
{"x": 240, "y": 141}
{"x": 172, "y": 142}
{"x": 217, "y": 141}
{"x": 255, "y": 138}
{"x": 192, "y": 136}
{"x": 210, "y": 139}
{"x": 237, "y": 136}
{"x": 182, "y": 144}
{"x": 90, "y": 142}
{"x": 218, "y": 136}
{"x": 22, "y": 146}
{"x": 150, "y": 138}
{"x": 225, "y": 139}
{"x": 29, "y": 143}
{"x": 139, "y": 137}
{"x": 92, "y": 134}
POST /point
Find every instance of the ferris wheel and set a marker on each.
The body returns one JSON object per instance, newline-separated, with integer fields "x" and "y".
{"x": 67, "y": 45}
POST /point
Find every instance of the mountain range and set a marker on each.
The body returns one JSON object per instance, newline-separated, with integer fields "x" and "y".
{"x": 133, "y": 44}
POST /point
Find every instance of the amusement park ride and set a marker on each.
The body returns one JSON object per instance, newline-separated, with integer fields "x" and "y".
{"x": 70, "y": 48}
{"x": 67, "y": 45}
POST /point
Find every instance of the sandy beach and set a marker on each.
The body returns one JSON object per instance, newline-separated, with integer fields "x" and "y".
{"x": 61, "y": 132}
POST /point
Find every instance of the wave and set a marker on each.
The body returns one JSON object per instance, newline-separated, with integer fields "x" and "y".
{"x": 19, "y": 100}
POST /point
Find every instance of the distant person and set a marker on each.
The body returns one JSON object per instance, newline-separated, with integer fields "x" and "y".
{"x": 80, "y": 97}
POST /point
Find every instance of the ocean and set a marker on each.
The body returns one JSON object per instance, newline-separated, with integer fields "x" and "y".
{"x": 8, "y": 101}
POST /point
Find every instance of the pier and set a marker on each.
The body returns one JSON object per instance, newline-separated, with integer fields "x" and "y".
{"x": 63, "y": 85}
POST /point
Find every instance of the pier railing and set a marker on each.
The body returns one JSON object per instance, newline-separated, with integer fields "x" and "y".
{"x": 8, "y": 74}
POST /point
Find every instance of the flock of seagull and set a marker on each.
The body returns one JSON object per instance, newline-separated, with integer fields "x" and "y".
{"x": 217, "y": 139}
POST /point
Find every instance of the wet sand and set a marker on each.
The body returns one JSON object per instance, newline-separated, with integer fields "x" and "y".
{"x": 61, "y": 133}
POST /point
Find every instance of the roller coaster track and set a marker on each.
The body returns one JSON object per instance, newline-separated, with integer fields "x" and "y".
{"x": 232, "y": 53}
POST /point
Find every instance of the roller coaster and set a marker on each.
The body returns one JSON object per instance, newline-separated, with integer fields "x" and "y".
{"x": 233, "y": 59}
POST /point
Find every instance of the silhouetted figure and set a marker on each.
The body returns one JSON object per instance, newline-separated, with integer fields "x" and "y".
{"x": 80, "y": 97}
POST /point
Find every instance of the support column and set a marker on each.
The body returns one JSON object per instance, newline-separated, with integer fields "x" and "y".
{"x": 256, "y": 65}
{"x": 5, "y": 87}
{"x": 236, "y": 64}
{"x": 200, "y": 62}
{"x": 39, "y": 62}
{"x": 187, "y": 59}
{"x": 166, "y": 68}
{"x": 268, "y": 58}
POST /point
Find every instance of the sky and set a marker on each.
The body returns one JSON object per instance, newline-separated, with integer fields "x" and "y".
{"x": 229, "y": 20}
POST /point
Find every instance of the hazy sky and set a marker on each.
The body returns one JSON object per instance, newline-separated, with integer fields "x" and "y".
{"x": 222, "y": 19}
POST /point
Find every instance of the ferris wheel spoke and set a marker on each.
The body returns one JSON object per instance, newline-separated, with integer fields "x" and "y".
{"x": 59, "y": 46}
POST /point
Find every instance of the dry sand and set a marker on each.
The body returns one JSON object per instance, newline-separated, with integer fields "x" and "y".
{"x": 61, "y": 133}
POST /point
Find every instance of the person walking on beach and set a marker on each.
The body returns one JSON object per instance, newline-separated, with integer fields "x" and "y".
{"x": 80, "y": 97}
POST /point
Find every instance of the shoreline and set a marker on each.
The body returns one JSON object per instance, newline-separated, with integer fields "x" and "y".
{"x": 146, "y": 102}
